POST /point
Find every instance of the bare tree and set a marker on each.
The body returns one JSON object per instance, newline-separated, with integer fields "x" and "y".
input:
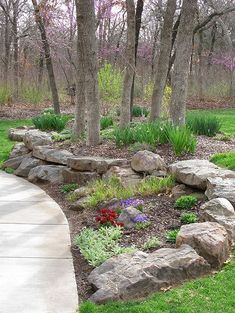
{"x": 130, "y": 65}
{"x": 163, "y": 60}
{"x": 182, "y": 62}
{"x": 87, "y": 60}
{"x": 47, "y": 53}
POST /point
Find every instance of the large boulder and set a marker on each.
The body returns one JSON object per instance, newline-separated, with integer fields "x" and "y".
{"x": 210, "y": 240}
{"x": 195, "y": 173}
{"x": 14, "y": 163}
{"x": 36, "y": 137}
{"x": 17, "y": 134}
{"x": 47, "y": 174}
{"x": 131, "y": 276}
{"x": 19, "y": 149}
{"x": 81, "y": 178}
{"x": 126, "y": 176}
{"x": 49, "y": 154}
{"x": 221, "y": 188}
{"x": 26, "y": 165}
{"x": 221, "y": 211}
{"x": 147, "y": 162}
{"x": 94, "y": 164}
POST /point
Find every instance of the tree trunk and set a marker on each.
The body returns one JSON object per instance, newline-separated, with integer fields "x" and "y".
{"x": 15, "y": 48}
{"x": 40, "y": 69}
{"x": 79, "y": 124}
{"x": 182, "y": 62}
{"x": 138, "y": 16}
{"x": 47, "y": 52}
{"x": 87, "y": 46}
{"x": 200, "y": 66}
{"x": 7, "y": 44}
{"x": 130, "y": 66}
{"x": 163, "y": 60}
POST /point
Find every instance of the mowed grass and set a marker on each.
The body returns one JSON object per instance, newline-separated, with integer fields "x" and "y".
{"x": 5, "y": 144}
{"x": 226, "y": 116}
{"x": 212, "y": 294}
{"x": 226, "y": 160}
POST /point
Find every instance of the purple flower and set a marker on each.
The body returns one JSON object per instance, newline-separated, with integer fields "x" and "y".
{"x": 141, "y": 218}
{"x": 131, "y": 202}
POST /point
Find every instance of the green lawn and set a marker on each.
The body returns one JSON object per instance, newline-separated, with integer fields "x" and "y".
{"x": 5, "y": 144}
{"x": 227, "y": 117}
{"x": 215, "y": 294}
{"x": 226, "y": 159}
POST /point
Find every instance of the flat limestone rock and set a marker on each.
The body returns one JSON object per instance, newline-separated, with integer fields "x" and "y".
{"x": 49, "y": 154}
{"x": 81, "y": 178}
{"x": 19, "y": 149}
{"x": 17, "y": 134}
{"x": 36, "y": 137}
{"x": 130, "y": 276}
{"x": 127, "y": 177}
{"x": 147, "y": 162}
{"x": 221, "y": 188}
{"x": 210, "y": 240}
{"x": 47, "y": 174}
{"x": 26, "y": 165}
{"x": 14, "y": 163}
{"x": 94, "y": 164}
{"x": 195, "y": 173}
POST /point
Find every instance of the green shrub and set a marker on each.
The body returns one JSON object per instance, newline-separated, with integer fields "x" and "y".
{"x": 181, "y": 140}
{"x": 110, "y": 83}
{"x": 105, "y": 122}
{"x": 99, "y": 245}
{"x": 48, "y": 121}
{"x": 9, "y": 170}
{"x": 139, "y": 111}
{"x": 151, "y": 243}
{"x": 69, "y": 187}
{"x": 188, "y": 218}
{"x": 203, "y": 124}
{"x": 65, "y": 134}
{"x": 185, "y": 202}
{"x": 171, "y": 235}
{"x": 226, "y": 160}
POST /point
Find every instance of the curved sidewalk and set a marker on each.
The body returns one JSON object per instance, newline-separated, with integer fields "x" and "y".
{"x": 36, "y": 266}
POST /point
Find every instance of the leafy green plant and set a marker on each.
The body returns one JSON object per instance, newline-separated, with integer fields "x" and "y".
{"x": 9, "y": 170}
{"x": 65, "y": 134}
{"x": 48, "y": 121}
{"x": 151, "y": 243}
{"x": 181, "y": 139}
{"x": 88, "y": 307}
{"x": 110, "y": 83}
{"x": 105, "y": 122}
{"x": 188, "y": 218}
{"x": 138, "y": 111}
{"x": 143, "y": 225}
{"x": 185, "y": 202}
{"x": 69, "y": 187}
{"x": 99, "y": 245}
{"x": 171, "y": 235}
{"x": 203, "y": 124}
{"x": 226, "y": 160}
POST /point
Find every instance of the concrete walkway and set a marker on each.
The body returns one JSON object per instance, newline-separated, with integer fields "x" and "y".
{"x": 36, "y": 266}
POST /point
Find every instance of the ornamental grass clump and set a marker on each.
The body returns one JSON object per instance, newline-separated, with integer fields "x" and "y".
{"x": 139, "y": 111}
{"x": 203, "y": 124}
{"x": 106, "y": 122}
{"x": 97, "y": 246}
{"x": 50, "y": 121}
{"x": 171, "y": 235}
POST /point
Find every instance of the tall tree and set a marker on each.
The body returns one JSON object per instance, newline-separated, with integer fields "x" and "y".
{"x": 182, "y": 62}
{"x": 163, "y": 60}
{"x": 130, "y": 65}
{"x": 87, "y": 60}
{"x": 46, "y": 48}
{"x": 138, "y": 21}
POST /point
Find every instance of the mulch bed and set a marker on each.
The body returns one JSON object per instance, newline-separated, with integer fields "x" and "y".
{"x": 159, "y": 209}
